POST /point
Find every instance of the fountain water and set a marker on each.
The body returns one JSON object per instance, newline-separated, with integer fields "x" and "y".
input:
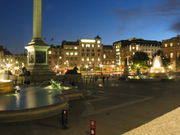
{"x": 6, "y": 86}
{"x": 157, "y": 70}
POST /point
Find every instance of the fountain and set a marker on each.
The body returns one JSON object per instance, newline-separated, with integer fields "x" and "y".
{"x": 157, "y": 70}
{"x": 6, "y": 85}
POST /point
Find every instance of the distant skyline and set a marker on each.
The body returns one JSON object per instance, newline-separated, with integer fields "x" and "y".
{"x": 71, "y": 20}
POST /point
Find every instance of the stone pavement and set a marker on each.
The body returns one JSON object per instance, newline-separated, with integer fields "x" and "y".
{"x": 167, "y": 124}
{"x": 117, "y": 107}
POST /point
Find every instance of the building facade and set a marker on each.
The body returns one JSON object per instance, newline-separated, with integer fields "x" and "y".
{"x": 171, "y": 49}
{"x": 109, "y": 58}
{"x": 125, "y": 49}
{"x": 85, "y": 54}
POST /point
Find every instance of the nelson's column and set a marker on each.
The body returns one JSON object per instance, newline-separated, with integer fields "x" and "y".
{"x": 37, "y": 49}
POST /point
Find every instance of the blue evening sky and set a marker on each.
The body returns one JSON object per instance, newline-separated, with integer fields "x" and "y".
{"x": 113, "y": 20}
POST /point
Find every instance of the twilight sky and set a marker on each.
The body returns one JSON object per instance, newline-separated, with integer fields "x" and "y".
{"x": 70, "y": 20}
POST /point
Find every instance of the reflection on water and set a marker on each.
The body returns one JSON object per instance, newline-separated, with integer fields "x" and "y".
{"x": 31, "y": 97}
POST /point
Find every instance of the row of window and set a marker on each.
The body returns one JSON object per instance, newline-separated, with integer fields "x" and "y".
{"x": 90, "y": 45}
{"x": 90, "y": 59}
{"x": 88, "y": 50}
{"x": 171, "y": 44}
{"x": 88, "y": 54}
{"x": 71, "y": 53}
{"x": 71, "y": 48}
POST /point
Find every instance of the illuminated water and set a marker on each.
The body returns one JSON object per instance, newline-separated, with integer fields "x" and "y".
{"x": 32, "y": 97}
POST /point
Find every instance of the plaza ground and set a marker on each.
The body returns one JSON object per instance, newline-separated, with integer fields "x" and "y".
{"x": 117, "y": 106}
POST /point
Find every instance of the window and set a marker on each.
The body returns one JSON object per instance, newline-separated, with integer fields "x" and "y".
{"x": 82, "y": 50}
{"x": 165, "y": 45}
{"x": 98, "y": 45}
{"x": 177, "y": 54}
{"x": 75, "y": 48}
{"x": 82, "y": 45}
{"x": 87, "y": 54}
{"x": 88, "y": 50}
{"x": 93, "y": 54}
{"x": 130, "y": 48}
{"x": 75, "y": 53}
{"x": 50, "y": 52}
{"x": 171, "y": 55}
{"x": 92, "y": 45}
{"x": 88, "y": 45}
{"x": 171, "y": 44}
{"x": 82, "y": 59}
{"x": 92, "y": 50}
{"x": 98, "y": 41}
{"x": 137, "y": 48}
{"x": 87, "y": 59}
{"x": 99, "y": 59}
{"x": 67, "y": 53}
{"x": 82, "y": 54}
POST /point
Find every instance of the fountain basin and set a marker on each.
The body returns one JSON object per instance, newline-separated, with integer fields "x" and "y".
{"x": 6, "y": 86}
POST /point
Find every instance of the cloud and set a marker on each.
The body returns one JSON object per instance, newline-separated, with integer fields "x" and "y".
{"x": 165, "y": 8}
{"x": 176, "y": 26}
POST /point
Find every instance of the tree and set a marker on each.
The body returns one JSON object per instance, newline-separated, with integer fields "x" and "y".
{"x": 140, "y": 61}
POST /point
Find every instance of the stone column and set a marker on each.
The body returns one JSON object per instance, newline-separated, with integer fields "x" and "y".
{"x": 37, "y": 19}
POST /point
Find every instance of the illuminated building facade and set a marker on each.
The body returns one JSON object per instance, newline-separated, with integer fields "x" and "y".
{"x": 55, "y": 57}
{"x": 85, "y": 54}
{"x": 171, "y": 49}
{"x": 90, "y": 52}
{"x": 109, "y": 58}
{"x": 125, "y": 49}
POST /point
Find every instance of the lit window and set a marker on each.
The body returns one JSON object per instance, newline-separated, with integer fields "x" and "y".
{"x": 99, "y": 59}
{"x": 137, "y": 47}
{"x": 82, "y": 45}
{"x": 92, "y": 59}
{"x": 82, "y": 59}
{"x": 117, "y": 50}
{"x": 171, "y": 55}
{"x": 98, "y": 41}
{"x": 87, "y": 59}
{"x": 50, "y": 52}
{"x": 88, "y": 45}
{"x": 133, "y": 53}
{"x": 75, "y": 48}
{"x": 130, "y": 48}
{"x": 133, "y": 47}
{"x": 165, "y": 45}
{"x": 75, "y": 53}
{"x": 171, "y": 44}
{"x": 67, "y": 53}
{"x": 92, "y": 45}
{"x": 104, "y": 56}
{"x": 98, "y": 45}
{"x": 71, "y": 53}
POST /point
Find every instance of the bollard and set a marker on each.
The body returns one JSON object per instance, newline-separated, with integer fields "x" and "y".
{"x": 92, "y": 127}
{"x": 64, "y": 119}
